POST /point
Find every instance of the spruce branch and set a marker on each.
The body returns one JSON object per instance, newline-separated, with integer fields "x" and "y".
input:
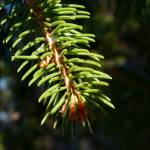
{"x": 63, "y": 68}
{"x": 59, "y": 55}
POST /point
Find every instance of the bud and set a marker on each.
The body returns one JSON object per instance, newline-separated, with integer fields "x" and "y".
{"x": 77, "y": 110}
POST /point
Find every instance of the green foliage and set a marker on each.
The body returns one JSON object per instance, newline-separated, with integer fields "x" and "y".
{"x": 53, "y": 51}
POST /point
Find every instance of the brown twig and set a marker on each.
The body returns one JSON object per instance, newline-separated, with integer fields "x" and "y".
{"x": 76, "y": 98}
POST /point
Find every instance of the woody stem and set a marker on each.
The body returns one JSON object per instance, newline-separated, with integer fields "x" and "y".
{"x": 38, "y": 13}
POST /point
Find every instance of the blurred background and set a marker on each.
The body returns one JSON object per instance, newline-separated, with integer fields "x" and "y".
{"x": 122, "y": 30}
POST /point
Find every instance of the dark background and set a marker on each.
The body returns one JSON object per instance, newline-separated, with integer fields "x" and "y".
{"x": 122, "y": 31}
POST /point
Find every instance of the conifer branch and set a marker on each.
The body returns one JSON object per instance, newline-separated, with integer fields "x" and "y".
{"x": 54, "y": 51}
{"x": 59, "y": 61}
